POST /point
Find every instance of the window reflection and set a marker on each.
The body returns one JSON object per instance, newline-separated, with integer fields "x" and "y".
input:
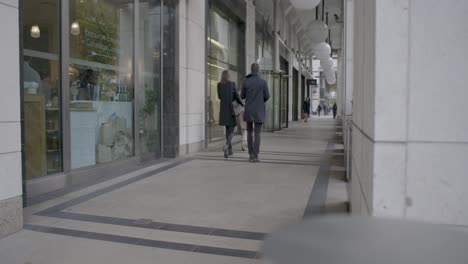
{"x": 149, "y": 65}
{"x": 101, "y": 81}
{"x": 41, "y": 105}
{"x": 222, "y": 55}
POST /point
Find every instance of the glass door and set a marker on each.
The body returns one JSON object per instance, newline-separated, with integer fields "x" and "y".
{"x": 269, "y": 114}
{"x": 295, "y": 94}
{"x": 276, "y": 102}
{"x": 284, "y": 101}
{"x": 101, "y": 81}
{"x": 42, "y": 92}
{"x": 149, "y": 79}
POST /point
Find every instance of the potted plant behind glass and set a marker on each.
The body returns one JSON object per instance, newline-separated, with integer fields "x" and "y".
{"x": 150, "y": 125}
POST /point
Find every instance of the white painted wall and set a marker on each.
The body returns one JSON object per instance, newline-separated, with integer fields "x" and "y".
{"x": 192, "y": 61}
{"x": 409, "y": 143}
{"x": 10, "y": 128}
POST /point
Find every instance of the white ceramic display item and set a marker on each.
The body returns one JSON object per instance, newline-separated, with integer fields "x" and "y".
{"x": 31, "y": 87}
{"x": 107, "y": 134}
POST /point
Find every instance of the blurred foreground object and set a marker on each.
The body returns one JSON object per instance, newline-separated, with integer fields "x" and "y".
{"x": 356, "y": 240}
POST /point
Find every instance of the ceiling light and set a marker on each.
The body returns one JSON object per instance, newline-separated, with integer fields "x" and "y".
{"x": 75, "y": 29}
{"x": 323, "y": 50}
{"x": 35, "y": 31}
{"x": 216, "y": 66}
{"x": 216, "y": 43}
{"x": 305, "y": 4}
{"x": 327, "y": 63}
{"x": 318, "y": 31}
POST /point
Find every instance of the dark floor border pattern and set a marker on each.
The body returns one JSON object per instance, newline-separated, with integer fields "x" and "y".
{"x": 315, "y": 205}
{"x": 145, "y": 242}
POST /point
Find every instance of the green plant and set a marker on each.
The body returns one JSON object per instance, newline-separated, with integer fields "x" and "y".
{"x": 151, "y": 98}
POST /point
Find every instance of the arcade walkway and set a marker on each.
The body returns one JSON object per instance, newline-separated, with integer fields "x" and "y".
{"x": 200, "y": 209}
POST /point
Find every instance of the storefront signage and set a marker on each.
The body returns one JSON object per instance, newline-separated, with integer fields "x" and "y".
{"x": 97, "y": 40}
{"x": 311, "y": 82}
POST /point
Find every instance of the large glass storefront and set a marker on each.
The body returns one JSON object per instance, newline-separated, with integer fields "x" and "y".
{"x": 92, "y": 91}
{"x": 277, "y": 107}
{"x": 101, "y": 81}
{"x": 303, "y": 90}
{"x": 42, "y": 88}
{"x": 225, "y": 47}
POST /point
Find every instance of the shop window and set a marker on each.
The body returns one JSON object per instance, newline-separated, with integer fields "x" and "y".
{"x": 149, "y": 67}
{"x": 42, "y": 91}
{"x": 101, "y": 81}
{"x": 223, "y": 53}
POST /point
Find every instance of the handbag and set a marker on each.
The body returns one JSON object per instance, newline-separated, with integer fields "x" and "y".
{"x": 236, "y": 106}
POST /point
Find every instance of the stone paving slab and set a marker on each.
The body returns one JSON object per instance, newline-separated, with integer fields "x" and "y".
{"x": 202, "y": 210}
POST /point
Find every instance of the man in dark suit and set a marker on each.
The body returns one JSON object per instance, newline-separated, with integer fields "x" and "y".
{"x": 255, "y": 92}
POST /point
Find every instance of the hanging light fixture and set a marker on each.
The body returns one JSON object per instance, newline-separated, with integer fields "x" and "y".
{"x": 318, "y": 31}
{"x": 331, "y": 78}
{"x": 327, "y": 63}
{"x": 322, "y": 50}
{"x": 75, "y": 28}
{"x": 35, "y": 31}
{"x": 305, "y": 4}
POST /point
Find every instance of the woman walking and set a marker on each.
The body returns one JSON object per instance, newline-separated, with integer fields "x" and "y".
{"x": 228, "y": 109}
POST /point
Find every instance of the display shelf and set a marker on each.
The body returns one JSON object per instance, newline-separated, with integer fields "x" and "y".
{"x": 53, "y": 171}
{"x": 53, "y": 150}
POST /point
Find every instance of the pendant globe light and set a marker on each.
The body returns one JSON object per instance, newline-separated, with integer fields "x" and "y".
{"x": 305, "y": 4}
{"x": 328, "y": 72}
{"x": 35, "y": 31}
{"x": 323, "y": 50}
{"x": 318, "y": 31}
{"x": 75, "y": 28}
{"x": 331, "y": 78}
{"x": 327, "y": 63}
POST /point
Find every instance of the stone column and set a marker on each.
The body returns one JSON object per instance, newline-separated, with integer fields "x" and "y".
{"x": 276, "y": 44}
{"x": 409, "y": 146}
{"x": 192, "y": 76}
{"x": 11, "y": 203}
{"x": 249, "y": 35}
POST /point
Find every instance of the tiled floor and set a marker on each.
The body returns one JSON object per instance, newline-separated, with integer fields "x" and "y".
{"x": 200, "y": 209}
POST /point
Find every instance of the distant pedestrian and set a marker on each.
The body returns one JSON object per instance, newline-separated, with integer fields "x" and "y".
{"x": 227, "y": 116}
{"x": 319, "y": 109}
{"x": 335, "y": 109}
{"x": 255, "y": 92}
{"x": 306, "y": 109}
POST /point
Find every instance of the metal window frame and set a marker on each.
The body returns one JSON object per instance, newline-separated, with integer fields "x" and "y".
{"x": 21, "y": 86}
